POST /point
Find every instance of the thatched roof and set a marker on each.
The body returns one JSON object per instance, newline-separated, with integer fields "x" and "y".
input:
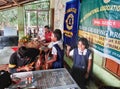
{"x": 11, "y": 3}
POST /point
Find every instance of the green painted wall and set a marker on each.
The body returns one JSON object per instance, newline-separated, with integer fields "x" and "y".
{"x": 21, "y": 16}
{"x": 106, "y": 77}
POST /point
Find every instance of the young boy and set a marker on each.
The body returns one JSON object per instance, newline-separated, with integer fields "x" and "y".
{"x": 82, "y": 61}
{"x": 57, "y": 50}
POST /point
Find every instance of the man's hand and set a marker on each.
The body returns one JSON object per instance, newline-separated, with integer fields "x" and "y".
{"x": 25, "y": 68}
{"x": 28, "y": 68}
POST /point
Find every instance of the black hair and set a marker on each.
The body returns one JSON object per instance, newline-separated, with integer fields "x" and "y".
{"x": 32, "y": 52}
{"x": 58, "y": 34}
{"x": 84, "y": 42}
{"x": 22, "y": 51}
{"x": 46, "y": 26}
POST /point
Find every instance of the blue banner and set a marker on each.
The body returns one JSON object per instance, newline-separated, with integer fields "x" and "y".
{"x": 71, "y": 22}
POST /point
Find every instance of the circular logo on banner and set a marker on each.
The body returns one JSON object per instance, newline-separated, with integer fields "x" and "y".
{"x": 106, "y": 1}
{"x": 70, "y": 21}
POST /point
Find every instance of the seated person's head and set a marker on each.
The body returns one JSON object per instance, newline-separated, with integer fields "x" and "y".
{"x": 56, "y": 35}
{"x": 22, "y": 51}
{"x": 83, "y": 43}
{"x": 46, "y": 28}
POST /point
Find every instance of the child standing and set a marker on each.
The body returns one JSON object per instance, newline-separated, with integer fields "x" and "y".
{"x": 57, "y": 50}
{"x": 82, "y": 60}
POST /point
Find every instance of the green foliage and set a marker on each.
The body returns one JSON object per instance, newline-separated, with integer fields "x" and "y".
{"x": 40, "y": 8}
{"x": 39, "y": 4}
{"x": 8, "y": 18}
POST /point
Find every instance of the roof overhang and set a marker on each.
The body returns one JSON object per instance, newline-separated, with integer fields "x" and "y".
{"x": 4, "y": 4}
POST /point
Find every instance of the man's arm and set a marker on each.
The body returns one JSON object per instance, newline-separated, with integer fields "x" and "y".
{"x": 24, "y": 68}
{"x": 12, "y": 63}
{"x": 12, "y": 70}
{"x": 18, "y": 69}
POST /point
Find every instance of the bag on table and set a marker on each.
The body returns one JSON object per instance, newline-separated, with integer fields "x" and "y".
{"x": 5, "y": 79}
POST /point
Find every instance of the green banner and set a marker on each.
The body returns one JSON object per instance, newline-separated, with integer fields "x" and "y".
{"x": 100, "y": 24}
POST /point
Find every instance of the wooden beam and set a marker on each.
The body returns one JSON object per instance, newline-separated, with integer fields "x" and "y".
{"x": 4, "y": 1}
{"x": 4, "y": 7}
{"x": 26, "y": 1}
{"x": 15, "y": 2}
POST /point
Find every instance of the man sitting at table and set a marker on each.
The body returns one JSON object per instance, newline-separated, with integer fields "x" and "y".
{"x": 44, "y": 35}
{"x": 23, "y": 60}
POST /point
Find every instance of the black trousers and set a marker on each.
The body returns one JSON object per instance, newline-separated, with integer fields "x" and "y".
{"x": 79, "y": 76}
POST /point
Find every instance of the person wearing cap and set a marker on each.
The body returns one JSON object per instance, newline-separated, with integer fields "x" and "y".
{"x": 23, "y": 60}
